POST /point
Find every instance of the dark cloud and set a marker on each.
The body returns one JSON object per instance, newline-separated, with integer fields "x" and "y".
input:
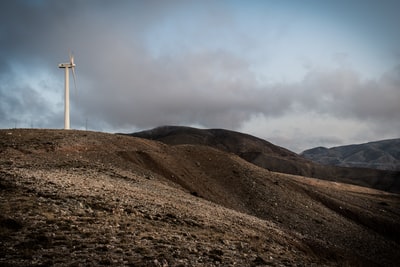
{"x": 123, "y": 84}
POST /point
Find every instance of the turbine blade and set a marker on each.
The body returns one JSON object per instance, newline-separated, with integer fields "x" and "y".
{"x": 71, "y": 58}
{"x": 74, "y": 76}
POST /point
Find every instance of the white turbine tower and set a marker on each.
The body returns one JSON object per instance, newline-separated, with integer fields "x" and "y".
{"x": 67, "y": 66}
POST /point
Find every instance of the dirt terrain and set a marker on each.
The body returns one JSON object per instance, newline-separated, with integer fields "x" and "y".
{"x": 271, "y": 157}
{"x": 90, "y": 199}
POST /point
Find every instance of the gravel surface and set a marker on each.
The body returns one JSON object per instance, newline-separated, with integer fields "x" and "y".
{"x": 74, "y": 198}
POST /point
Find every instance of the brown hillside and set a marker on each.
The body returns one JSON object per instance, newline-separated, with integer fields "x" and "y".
{"x": 85, "y": 198}
{"x": 272, "y": 157}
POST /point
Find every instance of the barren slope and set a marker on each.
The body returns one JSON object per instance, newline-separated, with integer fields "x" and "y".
{"x": 271, "y": 157}
{"x": 72, "y": 197}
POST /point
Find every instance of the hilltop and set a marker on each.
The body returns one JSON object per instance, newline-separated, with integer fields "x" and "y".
{"x": 87, "y": 198}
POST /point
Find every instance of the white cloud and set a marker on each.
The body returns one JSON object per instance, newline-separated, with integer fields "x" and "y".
{"x": 300, "y": 131}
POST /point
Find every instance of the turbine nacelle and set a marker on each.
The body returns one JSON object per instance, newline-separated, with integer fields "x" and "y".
{"x": 70, "y": 64}
{"x": 66, "y": 65}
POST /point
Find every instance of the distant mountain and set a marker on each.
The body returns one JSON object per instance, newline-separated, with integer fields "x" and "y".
{"x": 383, "y": 155}
{"x": 271, "y": 157}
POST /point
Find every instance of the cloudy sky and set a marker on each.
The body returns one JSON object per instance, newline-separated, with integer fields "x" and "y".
{"x": 300, "y": 73}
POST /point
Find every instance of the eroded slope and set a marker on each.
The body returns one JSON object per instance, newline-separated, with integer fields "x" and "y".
{"x": 71, "y": 197}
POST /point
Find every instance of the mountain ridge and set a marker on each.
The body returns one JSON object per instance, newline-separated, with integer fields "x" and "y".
{"x": 271, "y": 157}
{"x": 382, "y": 154}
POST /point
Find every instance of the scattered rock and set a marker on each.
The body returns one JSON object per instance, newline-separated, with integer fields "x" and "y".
{"x": 84, "y": 199}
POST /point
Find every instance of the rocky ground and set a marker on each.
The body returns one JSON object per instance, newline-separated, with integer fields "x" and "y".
{"x": 88, "y": 199}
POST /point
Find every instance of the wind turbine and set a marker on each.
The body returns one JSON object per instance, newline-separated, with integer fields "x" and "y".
{"x": 70, "y": 65}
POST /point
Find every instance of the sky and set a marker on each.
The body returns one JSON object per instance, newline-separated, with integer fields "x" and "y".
{"x": 298, "y": 73}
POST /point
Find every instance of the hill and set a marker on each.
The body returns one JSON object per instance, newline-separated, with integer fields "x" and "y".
{"x": 86, "y": 198}
{"x": 383, "y": 155}
{"x": 271, "y": 157}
